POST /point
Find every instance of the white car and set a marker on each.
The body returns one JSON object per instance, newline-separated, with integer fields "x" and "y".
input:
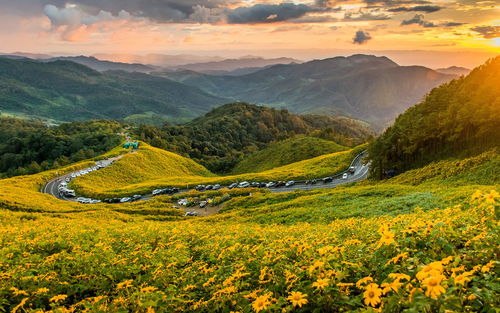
{"x": 345, "y": 176}
{"x": 244, "y": 184}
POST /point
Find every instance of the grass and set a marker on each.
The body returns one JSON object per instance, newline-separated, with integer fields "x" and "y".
{"x": 286, "y": 152}
{"x": 151, "y": 168}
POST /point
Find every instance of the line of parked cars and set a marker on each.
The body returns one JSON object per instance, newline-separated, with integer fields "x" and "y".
{"x": 207, "y": 187}
{"x": 124, "y": 199}
{"x": 64, "y": 191}
{"x": 165, "y": 191}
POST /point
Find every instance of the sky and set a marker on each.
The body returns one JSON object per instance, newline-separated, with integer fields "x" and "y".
{"x": 435, "y": 33}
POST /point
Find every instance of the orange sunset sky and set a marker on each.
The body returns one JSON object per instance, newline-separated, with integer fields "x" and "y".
{"x": 428, "y": 32}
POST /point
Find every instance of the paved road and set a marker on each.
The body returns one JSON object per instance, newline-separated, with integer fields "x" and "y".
{"x": 360, "y": 173}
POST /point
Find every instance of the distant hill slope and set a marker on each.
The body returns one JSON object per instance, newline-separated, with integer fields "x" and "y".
{"x": 220, "y": 138}
{"x": 458, "y": 119}
{"x": 68, "y": 91}
{"x": 286, "y": 152}
{"x": 454, "y": 70}
{"x": 102, "y": 66}
{"x": 374, "y": 89}
{"x": 234, "y": 64}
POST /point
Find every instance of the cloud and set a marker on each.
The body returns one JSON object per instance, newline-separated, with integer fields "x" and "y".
{"x": 452, "y": 24}
{"x": 419, "y": 8}
{"x": 365, "y": 16}
{"x": 419, "y": 20}
{"x": 361, "y": 37}
{"x": 488, "y": 32}
{"x": 269, "y": 13}
{"x": 76, "y": 25}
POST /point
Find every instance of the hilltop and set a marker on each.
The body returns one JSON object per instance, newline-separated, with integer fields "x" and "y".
{"x": 370, "y": 88}
{"x": 223, "y": 136}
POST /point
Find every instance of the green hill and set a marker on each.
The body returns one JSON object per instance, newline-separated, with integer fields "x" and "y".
{"x": 456, "y": 120}
{"x": 366, "y": 87}
{"x": 67, "y": 91}
{"x": 221, "y": 138}
{"x": 286, "y": 152}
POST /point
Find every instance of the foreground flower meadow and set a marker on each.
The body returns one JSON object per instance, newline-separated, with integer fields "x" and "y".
{"x": 441, "y": 260}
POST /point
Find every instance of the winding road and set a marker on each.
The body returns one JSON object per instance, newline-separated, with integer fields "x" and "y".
{"x": 360, "y": 173}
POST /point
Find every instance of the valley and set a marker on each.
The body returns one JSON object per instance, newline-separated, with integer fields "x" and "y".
{"x": 410, "y": 214}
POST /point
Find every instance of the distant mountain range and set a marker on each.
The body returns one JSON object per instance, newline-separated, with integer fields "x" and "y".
{"x": 102, "y": 66}
{"x": 370, "y": 88}
{"x": 250, "y": 64}
{"x": 67, "y": 91}
{"x": 454, "y": 70}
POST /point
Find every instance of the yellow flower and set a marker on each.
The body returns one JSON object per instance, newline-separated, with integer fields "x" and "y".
{"x": 372, "y": 295}
{"x": 58, "y": 298}
{"x": 490, "y": 198}
{"x": 18, "y": 292}
{"x": 148, "y": 289}
{"x": 399, "y": 276}
{"x": 297, "y": 298}
{"x": 125, "y": 284}
{"x": 395, "y": 285}
{"x": 463, "y": 278}
{"x": 433, "y": 269}
{"x": 397, "y": 258}
{"x": 433, "y": 286}
{"x": 387, "y": 238}
{"x": 447, "y": 260}
{"x": 486, "y": 268}
{"x": 41, "y": 290}
{"x": 321, "y": 283}
{"x": 472, "y": 297}
{"x": 476, "y": 195}
{"x": 261, "y": 303}
{"x": 363, "y": 281}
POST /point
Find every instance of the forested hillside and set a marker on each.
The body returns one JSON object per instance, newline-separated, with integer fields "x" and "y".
{"x": 366, "y": 87}
{"x": 458, "y": 119}
{"x": 67, "y": 91}
{"x": 30, "y": 147}
{"x": 222, "y": 137}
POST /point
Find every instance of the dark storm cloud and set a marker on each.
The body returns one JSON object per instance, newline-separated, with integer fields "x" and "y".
{"x": 268, "y": 13}
{"x": 419, "y": 8}
{"x": 361, "y": 37}
{"x": 418, "y": 19}
{"x": 488, "y": 32}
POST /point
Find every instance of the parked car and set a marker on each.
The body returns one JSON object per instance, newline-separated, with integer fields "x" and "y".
{"x": 327, "y": 180}
{"x": 217, "y": 187}
{"x": 175, "y": 190}
{"x": 157, "y": 192}
{"x": 136, "y": 197}
{"x": 290, "y": 183}
{"x": 191, "y": 214}
{"x": 352, "y": 169}
{"x": 203, "y": 204}
{"x": 68, "y": 193}
{"x": 270, "y": 184}
{"x": 262, "y": 185}
{"x": 345, "y": 176}
{"x": 183, "y": 202}
{"x": 200, "y": 188}
{"x": 280, "y": 184}
{"x": 209, "y": 187}
{"x": 95, "y": 201}
{"x": 244, "y": 184}
{"x": 125, "y": 199}
{"x": 233, "y": 185}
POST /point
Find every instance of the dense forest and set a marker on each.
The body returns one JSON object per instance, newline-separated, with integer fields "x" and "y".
{"x": 28, "y": 147}
{"x": 222, "y": 137}
{"x": 458, "y": 119}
